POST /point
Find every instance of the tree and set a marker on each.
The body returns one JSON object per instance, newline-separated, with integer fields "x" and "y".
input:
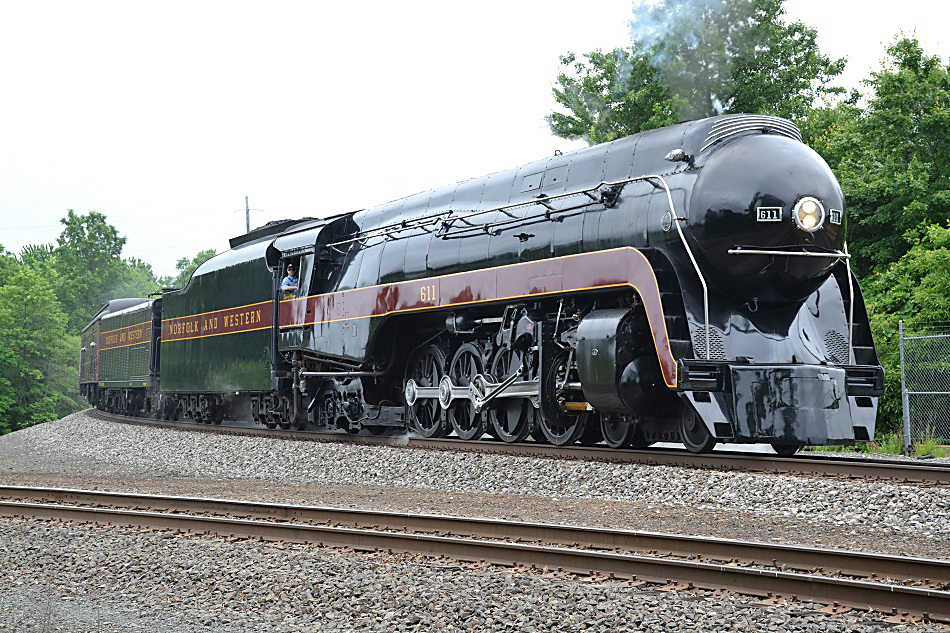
{"x": 691, "y": 59}
{"x": 137, "y": 280}
{"x": 609, "y": 95}
{"x": 88, "y": 263}
{"x": 916, "y": 289}
{"x": 39, "y": 378}
{"x": 85, "y": 268}
{"x": 187, "y": 267}
{"x": 8, "y": 265}
{"x": 46, "y": 297}
{"x": 37, "y": 255}
{"x": 892, "y": 157}
{"x": 736, "y": 56}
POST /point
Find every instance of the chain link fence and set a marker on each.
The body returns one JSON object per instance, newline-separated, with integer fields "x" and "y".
{"x": 925, "y": 382}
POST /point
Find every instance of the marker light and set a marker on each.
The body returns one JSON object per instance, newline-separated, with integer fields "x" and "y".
{"x": 809, "y": 214}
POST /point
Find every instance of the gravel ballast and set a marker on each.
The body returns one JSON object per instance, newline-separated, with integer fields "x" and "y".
{"x": 59, "y": 577}
{"x": 80, "y": 444}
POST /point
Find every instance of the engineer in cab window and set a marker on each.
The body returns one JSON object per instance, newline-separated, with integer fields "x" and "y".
{"x": 289, "y": 285}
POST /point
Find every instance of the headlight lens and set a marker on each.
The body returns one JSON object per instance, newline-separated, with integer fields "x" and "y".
{"x": 809, "y": 214}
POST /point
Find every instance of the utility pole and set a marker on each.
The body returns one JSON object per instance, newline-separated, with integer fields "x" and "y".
{"x": 247, "y": 215}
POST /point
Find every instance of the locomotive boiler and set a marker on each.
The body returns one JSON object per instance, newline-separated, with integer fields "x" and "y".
{"x": 687, "y": 284}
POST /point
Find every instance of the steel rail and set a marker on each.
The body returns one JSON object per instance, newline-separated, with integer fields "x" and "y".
{"x": 852, "y": 563}
{"x": 811, "y": 464}
{"x": 747, "y": 580}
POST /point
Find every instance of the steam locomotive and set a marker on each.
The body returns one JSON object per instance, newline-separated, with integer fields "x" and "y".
{"x": 687, "y": 284}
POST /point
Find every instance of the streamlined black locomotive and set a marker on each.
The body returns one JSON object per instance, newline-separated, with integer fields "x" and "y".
{"x": 689, "y": 284}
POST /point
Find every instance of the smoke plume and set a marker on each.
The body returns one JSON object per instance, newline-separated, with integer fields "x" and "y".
{"x": 692, "y": 45}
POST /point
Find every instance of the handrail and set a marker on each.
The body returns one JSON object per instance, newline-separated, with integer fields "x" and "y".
{"x": 415, "y": 223}
{"x": 834, "y": 254}
{"x": 439, "y": 217}
{"x": 676, "y": 220}
{"x": 756, "y": 251}
{"x": 543, "y": 201}
{"x": 850, "y": 305}
{"x": 689, "y": 251}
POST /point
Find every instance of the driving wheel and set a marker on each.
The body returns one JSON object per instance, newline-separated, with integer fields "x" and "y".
{"x": 561, "y": 424}
{"x": 425, "y": 415}
{"x": 465, "y": 365}
{"x": 510, "y": 418}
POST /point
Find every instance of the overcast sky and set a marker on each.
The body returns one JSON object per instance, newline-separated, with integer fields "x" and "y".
{"x": 165, "y": 115}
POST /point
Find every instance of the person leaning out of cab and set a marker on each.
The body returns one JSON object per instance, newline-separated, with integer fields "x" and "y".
{"x": 290, "y": 282}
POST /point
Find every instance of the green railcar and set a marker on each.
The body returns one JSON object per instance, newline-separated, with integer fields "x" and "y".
{"x": 118, "y": 362}
{"x": 88, "y": 356}
{"x": 217, "y": 333}
{"x": 125, "y": 347}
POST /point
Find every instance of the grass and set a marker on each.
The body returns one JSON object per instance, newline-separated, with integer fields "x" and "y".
{"x": 888, "y": 443}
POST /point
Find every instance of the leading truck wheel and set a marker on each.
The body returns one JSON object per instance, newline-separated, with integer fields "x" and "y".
{"x": 693, "y": 431}
{"x": 618, "y": 430}
{"x": 787, "y": 450}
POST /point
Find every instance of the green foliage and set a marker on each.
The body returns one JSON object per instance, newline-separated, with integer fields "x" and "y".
{"x": 39, "y": 379}
{"x": 735, "y": 56}
{"x": 87, "y": 262}
{"x": 187, "y": 267}
{"x": 8, "y": 265}
{"x": 85, "y": 269}
{"x": 916, "y": 289}
{"x": 37, "y": 255}
{"x": 609, "y": 95}
{"x": 46, "y": 297}
{"x": 893, "y": 156}
{"x": 692, "y": 59}
{"x": 886, "y": 443}
{"x": 137, "y": 280}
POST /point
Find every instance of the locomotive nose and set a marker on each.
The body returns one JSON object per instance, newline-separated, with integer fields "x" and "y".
{"x": 766, "y": 193}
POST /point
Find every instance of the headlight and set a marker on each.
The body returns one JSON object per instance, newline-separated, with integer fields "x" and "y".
{"x": 809, "y": 214}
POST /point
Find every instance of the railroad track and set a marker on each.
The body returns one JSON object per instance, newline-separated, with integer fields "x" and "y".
{"x": 831, "y": 466}
{"x": 890, "y": 584}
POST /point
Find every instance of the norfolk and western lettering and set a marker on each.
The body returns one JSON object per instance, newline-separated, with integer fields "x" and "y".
{"x": 137, "y": 334}
{"x": 227, "y": 321}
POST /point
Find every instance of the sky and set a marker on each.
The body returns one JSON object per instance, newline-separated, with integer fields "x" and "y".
{"x": 163, "y": 116}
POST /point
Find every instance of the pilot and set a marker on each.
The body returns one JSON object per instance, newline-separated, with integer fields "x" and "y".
{"x": 289, "y": 285}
